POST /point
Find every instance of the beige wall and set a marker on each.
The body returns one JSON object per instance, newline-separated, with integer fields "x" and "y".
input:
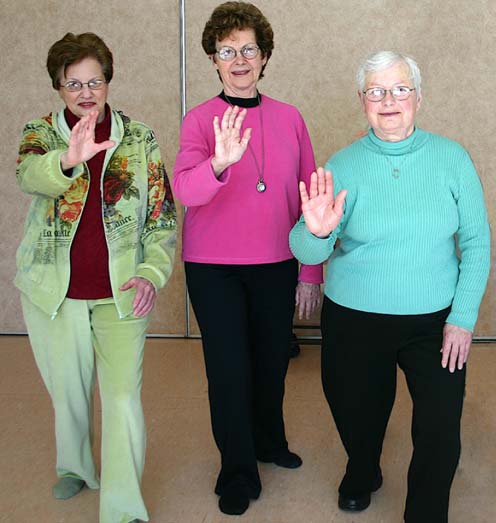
{"x": 318, "y": 46}
{"x": 143, "y": 37}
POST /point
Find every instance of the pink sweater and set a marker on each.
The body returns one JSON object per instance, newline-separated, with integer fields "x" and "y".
{"x": 227, "y": 221}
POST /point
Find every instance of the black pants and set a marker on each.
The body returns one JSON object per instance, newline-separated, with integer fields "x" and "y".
{"x": 245, "y": 316}
{"x": 360, "y": 352}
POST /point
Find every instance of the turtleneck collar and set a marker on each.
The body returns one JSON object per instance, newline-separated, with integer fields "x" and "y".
{"x": 242, "y": 102}
{"x": 412, "y": 142}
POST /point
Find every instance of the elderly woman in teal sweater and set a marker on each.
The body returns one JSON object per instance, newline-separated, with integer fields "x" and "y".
{"x": 397, "y": 293}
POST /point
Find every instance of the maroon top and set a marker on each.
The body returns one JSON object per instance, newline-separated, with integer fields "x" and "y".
{"x": 90, "y": 279}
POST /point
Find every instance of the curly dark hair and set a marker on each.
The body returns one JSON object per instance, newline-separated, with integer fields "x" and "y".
{"x": 232, "y": 16}
{"x": 74, "y": 48}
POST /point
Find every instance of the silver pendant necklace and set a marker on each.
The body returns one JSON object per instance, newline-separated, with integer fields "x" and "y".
{"x": 261, "y": 185}
{"x": 396, "y": 168}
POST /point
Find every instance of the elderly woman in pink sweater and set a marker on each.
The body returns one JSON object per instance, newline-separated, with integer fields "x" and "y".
{"x": 241, "y": 157}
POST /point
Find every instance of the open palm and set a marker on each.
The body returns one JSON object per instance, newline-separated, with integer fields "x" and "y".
{"x": 322, "y": 212}
{"x": 229, "y": 144}
{"x": 82, "y": 146}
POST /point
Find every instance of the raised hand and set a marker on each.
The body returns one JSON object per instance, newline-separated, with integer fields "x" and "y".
{"x": 321, "y": 211}
{"x": 229, "y": 144}
{"x": 82, "y": 146}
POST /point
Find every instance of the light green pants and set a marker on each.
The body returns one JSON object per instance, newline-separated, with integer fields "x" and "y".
{"x": 88, "y": 334}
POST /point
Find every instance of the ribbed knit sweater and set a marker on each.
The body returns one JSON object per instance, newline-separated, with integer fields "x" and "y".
{"x": 397, "y": 252}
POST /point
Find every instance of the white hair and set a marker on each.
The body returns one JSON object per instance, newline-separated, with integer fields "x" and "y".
{"x": 384, "y": 60}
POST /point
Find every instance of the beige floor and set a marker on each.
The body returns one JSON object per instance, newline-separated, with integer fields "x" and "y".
{"x": 182, "y": 460}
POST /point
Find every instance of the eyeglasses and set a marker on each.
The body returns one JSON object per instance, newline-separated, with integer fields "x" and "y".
{"x": 249, "y": 51}
{"x": 376, "y": 94}
{"x": 74, "y": 85}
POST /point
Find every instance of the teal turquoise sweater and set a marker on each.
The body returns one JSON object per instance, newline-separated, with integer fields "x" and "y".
{"x": 397, "y": 252}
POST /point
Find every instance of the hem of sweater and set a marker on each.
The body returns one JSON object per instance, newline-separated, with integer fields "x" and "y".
{"x": 393, "y": 311}
{"x": 235, "y": 261}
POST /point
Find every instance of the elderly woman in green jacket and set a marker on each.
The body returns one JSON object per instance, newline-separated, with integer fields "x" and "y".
{"x": 98, "y": 244}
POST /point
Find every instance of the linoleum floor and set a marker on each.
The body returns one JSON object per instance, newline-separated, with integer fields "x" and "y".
{"x": 182, "y": 460}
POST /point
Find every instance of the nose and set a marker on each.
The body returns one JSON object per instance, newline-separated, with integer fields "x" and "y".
{"x": 85, "y": 91}
{"x": 240, "y": 59}
{"x": 389, "y": 98}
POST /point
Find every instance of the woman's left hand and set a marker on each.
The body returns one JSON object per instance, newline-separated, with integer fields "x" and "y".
{"x": 145, "y": 295}
{"x": 307, "y": 299}
{"x": 456, "y": 346}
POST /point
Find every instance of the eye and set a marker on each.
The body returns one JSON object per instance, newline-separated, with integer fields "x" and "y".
{"x": 250, "y": 51}
{"x": 401, "y": 89}
{"x": 226, "y": 53}
{"x": 376, "y": 92}
{"x": 73, "y": 85}
{"x": 95, "y": 84}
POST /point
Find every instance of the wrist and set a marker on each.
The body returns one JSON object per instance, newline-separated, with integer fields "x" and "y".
{"x": 64, "y": 162}
{"x": 218, "y": 167}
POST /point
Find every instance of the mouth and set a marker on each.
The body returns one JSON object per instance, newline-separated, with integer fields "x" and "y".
{"x": 390, "y": 114}
{"x": 87, "y": 105}
{"x": 243, "y": 72}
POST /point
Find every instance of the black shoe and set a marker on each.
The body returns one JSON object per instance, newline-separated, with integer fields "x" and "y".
{"x": 359, "y": 503}
{"x": 294, "y": 347}
{"x": 233, "y": 502}
{"x": 287, "y": 460}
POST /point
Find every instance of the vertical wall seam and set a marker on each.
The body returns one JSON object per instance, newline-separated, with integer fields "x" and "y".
{"x": 182, "y": 90}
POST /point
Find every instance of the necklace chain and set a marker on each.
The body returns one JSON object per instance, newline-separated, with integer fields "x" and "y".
{"x": 396, "y": 168}
{"x": 261, "y": 185}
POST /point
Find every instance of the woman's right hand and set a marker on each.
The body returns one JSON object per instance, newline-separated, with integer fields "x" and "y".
{"x": 321, "y": 211}
{"x": 229, "y": 145}
{"x": 82, "y": 146}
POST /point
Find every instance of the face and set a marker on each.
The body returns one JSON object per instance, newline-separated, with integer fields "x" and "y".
{"x": 392, "y": 120}
{"x": 82, "y": 102}
{"x": 239, "y": 76}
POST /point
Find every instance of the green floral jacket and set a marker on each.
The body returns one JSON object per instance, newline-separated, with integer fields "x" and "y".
{"x": 138, "y": 211}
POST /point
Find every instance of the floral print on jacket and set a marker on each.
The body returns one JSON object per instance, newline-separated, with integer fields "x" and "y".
{"x": 138, "y": 210}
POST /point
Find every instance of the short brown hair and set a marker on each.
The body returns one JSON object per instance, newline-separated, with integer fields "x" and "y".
{"x": 74, "y": 48}
{"x": 232, "y": 16}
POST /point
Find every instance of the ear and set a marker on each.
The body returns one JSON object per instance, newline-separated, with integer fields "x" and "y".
{"x": 211, "y": 57}
{"x": 419, "y": 102}
{"x": 264, "y": 60}
{"x": 361, "y": 96}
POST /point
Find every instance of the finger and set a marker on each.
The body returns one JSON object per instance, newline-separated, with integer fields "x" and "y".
{"x": 445, "y": 349}
{"x": 321, "y": 181}
{"x": 141, "y": 299}
{"x": 146, "y": 303}
{"x": 216, "y": 126}
{"x": 108, "y": 144}
{"x": 455, "y": 349}
{"x": 238, "y": 120}
{"x": 308, "y": 309}
{"x": 232, "y": 116}
{"x": 329, "y": 184}
{"x": 301, "y": 309}
{"x": 339, "y": 203}
{"x": 462, "y": 358}
{"x": 303, "y": 192}
{"x": 225, "y": 118}
{"x": 246, "y": 137}
{"x": 313, "y": 185}
{"x": 128, "y": 285}
{"x": 91, "y": 121}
